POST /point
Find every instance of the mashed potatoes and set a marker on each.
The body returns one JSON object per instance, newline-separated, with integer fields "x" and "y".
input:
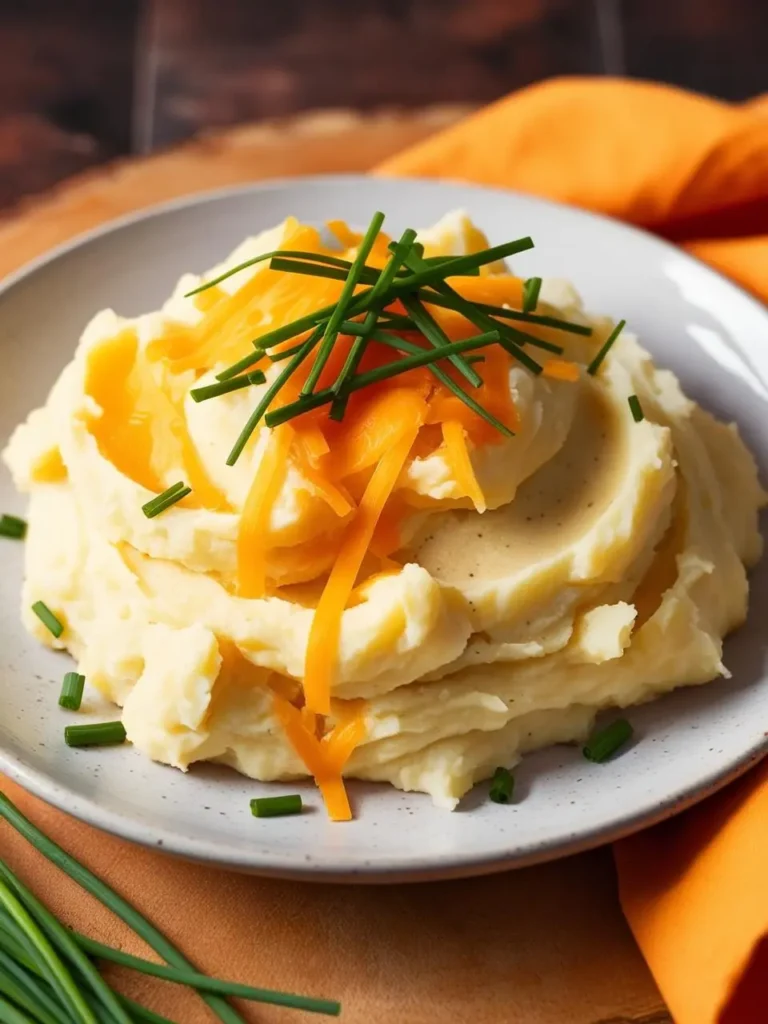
{"x": 588, "y": 561}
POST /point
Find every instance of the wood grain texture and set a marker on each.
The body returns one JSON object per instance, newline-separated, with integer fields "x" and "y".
{"x": 547, "y": 945}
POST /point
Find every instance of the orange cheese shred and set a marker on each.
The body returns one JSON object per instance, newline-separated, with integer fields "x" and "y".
{"x": 335, "y": 496}
{"x": 325, "y": 633}
{"x": 560, "y": 369}
{"x": 460, "y": 463}
{"x": 257, "y": 511}
{"x": 324, "y": 758}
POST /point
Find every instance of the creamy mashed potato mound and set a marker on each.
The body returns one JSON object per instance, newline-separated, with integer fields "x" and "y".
{"x": 589, "y": 561}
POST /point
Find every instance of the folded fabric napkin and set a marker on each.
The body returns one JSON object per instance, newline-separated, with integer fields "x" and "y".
{"x": 695, "y": 171}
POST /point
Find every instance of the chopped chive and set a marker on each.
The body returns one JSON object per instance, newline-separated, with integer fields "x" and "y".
{"x": 531, "y": 289}
{"x": 636, "y": 409}
{"x": 332, "y": 327}
{"x": 423, "y": 358}
{"x": 223, "y": 387}
{"x": 606, "y": 742}
{"x": 479, "y": 319}
{"x": 314, "y": 257}
{"x": 367, "y": 275}
{"x": 276, "y": 806}
{"x": 102, "y": 734}
{"x": 435, "y": 298}
{"x": 596, "y": 363}
{"x": 12, "y": 527}
{"x": 502, "y": 786}
{"x": 163, "y": 501}
{"x": 475, "y": 359}
{"x": 270, "y": 394}
{"x": 389, "y": 322}
{"x": 352, "y": 362}
{"x": 432, "y": 272}
{"x": 71, "y": 696}
{"x": 437, "y": 337}
{"x": 48, "y": 619}
{"x": 405, "y": 346}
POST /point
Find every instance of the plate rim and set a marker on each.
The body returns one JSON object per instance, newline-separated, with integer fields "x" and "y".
{"x": 447, "y": 866}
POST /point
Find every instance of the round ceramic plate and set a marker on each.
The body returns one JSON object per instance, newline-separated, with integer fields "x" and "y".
{"x": 688, "y": 744}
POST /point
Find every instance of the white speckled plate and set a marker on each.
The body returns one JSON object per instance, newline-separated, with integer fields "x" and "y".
{"x": 689, "y": 744}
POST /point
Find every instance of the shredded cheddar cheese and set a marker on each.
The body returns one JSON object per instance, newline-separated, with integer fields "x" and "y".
{"x": 255, "y": 518}
{"x": 323, "y": 644}
{"x": 461, "y": 464}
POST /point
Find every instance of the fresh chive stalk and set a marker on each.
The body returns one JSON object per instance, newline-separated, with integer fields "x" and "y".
{"x": 502, "y": 786}
{"x": 332, "y": 328}
{"x": 164, "y": 501}
{"x": 603, "y": 744}
{"x": 224, "y": 387}
{"x": 437, "y": 337}
{"x": 636, "y": 409}
{"x": 66, "y": 947}
{"x": 311, "y": 257}
{"x": 424, "y": 357}
{"x": 101, "y": 734}
{"x": 55, "y": 971}
{"x": 531, "y": 289}
{"x": 48, "y": 619}
{"x": 71, "y": 696}
{"x": 405, "y": 346}
{"x": 597, "y": 362}
{"x": 481, "y": 320}
{"x": 12, "y": 527}
{"x": 270, "y": 394}
{"x": 27, "y": 925}
{"x": 352, "y": 362}
{"x": 276, "y": 806}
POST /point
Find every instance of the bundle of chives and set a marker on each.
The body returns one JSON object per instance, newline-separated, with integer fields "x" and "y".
{"x": 47, "y": 974}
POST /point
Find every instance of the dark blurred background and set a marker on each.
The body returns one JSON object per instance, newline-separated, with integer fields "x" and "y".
{"x": 84, "y": 81}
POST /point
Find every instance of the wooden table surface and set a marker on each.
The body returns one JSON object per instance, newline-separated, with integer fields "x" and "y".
{"x": 572, "y": 959}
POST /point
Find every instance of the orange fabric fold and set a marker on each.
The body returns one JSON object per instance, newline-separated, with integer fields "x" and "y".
{"x": 695, "y": 171}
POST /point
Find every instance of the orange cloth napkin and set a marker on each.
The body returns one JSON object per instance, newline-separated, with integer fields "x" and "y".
{"x": 696, "y": 171}
{"x": 503, "y": 949}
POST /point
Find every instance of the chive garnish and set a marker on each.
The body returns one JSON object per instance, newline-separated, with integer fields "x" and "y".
{"x": 437, "y": 337}
{"x": 470, "y": 311}
{"x": 223, "y": 387}
{"x": 101, "y": 734}
{"x": 606, "y": 742}
{"x": 596, "y": 363}
{"x": 271, "y": 392}
{"x": 67, "y": 969}
{"x": 163, "y": 501}
{"x": 332, "y": 327}
{"x": 313, "y": 257}
{"x": 425, "y": 356}
{"x": 502, "y": 786}
{"x": 531, "y": 289}
{"x": 12, "y": 527}
{"x": 276, "y": 806}
{"x": 352, "y": 362}
{"x": 71, "y": 696}
{"x": 48, "y": 619}
{"x": 405, "y": 346}
{"x": 636, "y": 409}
